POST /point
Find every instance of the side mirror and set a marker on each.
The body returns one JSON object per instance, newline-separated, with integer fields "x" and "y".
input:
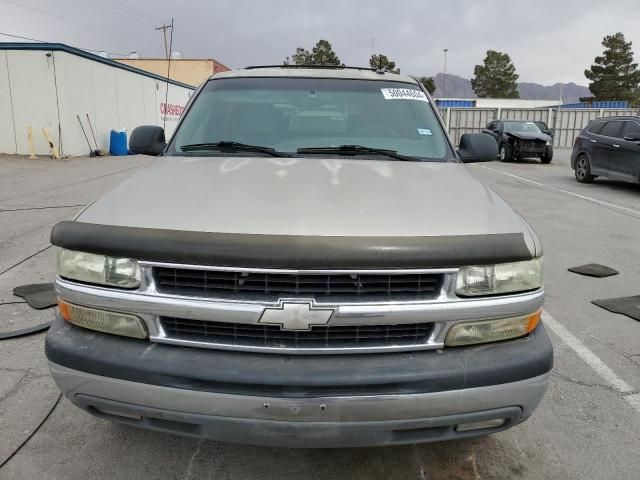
{"x": 147, "y": 140}
{"x": 632, "y": 137}
{"x": 477, "y": 147}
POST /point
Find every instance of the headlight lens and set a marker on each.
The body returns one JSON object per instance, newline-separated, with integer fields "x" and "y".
{"x": 548, "y": 143}
{"x": 103, "y": 321}
{"x": 99, "y": 269}
{"x": 498, "y": 279}
{"x": 485, "y": 331}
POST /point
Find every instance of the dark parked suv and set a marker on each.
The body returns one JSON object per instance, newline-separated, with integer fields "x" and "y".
{"x": 608, "y": 147}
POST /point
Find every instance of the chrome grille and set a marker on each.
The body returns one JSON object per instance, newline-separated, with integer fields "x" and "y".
{"x": 272, "y": 286}
{"x": 320, "y": 337}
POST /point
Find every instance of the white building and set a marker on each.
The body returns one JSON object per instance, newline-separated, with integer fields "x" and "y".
{"x": 495, "y": 103}
{"x": 48, "y": 85}
{"x": 514, "y": 103}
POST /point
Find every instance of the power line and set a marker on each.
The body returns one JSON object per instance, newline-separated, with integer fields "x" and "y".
{"x": 45, "y": 41}
{"x": 58, "y": 16}
{"x": 44, "y": 12}
{"x": 109, "y": 8}
{"x": 131, "y": 9}
{"x": 21, "y": 37}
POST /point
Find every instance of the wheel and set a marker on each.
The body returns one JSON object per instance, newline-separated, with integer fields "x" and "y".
{"x": 547, "y": 156}
{"x": 583, "y": 170}
{"x": 504, "y": 153}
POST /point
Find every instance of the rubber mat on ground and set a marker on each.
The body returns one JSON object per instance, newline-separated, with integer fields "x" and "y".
{"x": 37, "y": 295}
{"x": 629, "y": 306}
{"x": 594, "y": 270}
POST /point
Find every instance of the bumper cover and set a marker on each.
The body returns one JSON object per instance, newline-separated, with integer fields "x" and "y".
{"x": 301, "y": 434}
{"x": 535, "y": 151}
{"x": 315, "y": 401}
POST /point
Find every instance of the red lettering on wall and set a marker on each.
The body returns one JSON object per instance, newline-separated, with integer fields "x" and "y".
{"x": 171, "y": 109}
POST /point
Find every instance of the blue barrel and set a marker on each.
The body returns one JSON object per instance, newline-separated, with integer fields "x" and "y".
{"x": 118, "y": 142}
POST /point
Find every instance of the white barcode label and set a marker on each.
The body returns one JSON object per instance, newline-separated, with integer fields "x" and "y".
{"x": 403, "y": 94}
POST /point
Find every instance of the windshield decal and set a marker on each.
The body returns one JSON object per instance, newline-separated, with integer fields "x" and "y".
{"x": 424, "y": 131}
{"x": 403, "y": 94}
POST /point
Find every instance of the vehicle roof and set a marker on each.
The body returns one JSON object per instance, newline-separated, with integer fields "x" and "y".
{"x": 515, "y": 120}
{"x": 289, "y": 72}
{"x": 616, "y": 117}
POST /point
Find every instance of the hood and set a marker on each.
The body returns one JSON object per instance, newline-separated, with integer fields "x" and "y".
{"x": 306, "y": 196}
{"x": 529, "y": 136}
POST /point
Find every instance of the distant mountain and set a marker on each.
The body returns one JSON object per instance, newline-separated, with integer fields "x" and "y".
{"x": 571, "y": 92}
{"x": 459, "y": 87}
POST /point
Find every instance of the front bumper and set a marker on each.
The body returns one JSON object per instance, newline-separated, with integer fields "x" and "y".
{"x": 314, "y": 401}
{"x": 532, "y": 151}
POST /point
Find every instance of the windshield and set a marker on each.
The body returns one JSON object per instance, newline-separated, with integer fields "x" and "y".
{"x": 528, "y": 127}
{"x": 288, "y": 114}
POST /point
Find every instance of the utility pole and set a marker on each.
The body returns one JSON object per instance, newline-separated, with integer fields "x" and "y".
{"x": 444, "y": 81}
{"x": 166, "y": 93}
{"x": 164, "y": 29}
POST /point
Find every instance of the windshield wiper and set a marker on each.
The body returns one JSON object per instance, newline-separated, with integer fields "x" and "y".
{"x": 231, "y": 146}
{"x": 356, "y": 150}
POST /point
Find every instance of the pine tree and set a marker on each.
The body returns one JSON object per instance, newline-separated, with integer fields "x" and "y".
{"x": 429, "y": 84}
{"x": 383, "y": 62}
{"x": 613, "y": 75}
{"x": 321, "y": 54}
{"x": 301, "y": 57}
{"x": 496, "y": 78}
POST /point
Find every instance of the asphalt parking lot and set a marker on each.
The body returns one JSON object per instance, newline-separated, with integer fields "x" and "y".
{"x": 588, "y": 425}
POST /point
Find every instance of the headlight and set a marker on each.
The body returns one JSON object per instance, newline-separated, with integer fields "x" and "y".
{"x": 103, "y": 321}
{"x": 485, "y": 331}
{"x": 499, "y": 279}
{"x": 99, "y": 269}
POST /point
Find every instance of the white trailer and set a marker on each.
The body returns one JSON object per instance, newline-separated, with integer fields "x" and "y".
{"x": 47, "y": 85}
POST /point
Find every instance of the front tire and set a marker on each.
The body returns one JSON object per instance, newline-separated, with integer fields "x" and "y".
{"x": 504, "y": 153}
{"x": 583, "y": 170}
{"x": 547, "y": 156}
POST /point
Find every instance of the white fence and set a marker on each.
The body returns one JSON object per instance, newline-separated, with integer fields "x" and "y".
{"x": 566, "y": 123}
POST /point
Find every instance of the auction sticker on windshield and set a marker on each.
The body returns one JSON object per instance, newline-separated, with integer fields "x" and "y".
{"x": 403, "y": 94}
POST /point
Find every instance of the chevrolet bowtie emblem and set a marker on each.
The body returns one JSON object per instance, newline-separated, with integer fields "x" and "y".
{"x": 296, "y": 316}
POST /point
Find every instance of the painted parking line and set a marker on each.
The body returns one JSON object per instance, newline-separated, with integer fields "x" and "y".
{"x": 591, "y": 359}
{"x": 634, "y": 400}
{"x": 613, "y": 206}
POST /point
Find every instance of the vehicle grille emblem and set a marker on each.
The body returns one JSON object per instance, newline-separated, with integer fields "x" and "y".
{"x": 296, "y": 315}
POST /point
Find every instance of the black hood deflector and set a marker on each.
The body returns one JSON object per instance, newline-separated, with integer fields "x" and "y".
{"x": 289, "y": 251}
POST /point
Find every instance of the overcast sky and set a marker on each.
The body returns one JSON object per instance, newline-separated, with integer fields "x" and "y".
{"x": 549, "y": 41}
